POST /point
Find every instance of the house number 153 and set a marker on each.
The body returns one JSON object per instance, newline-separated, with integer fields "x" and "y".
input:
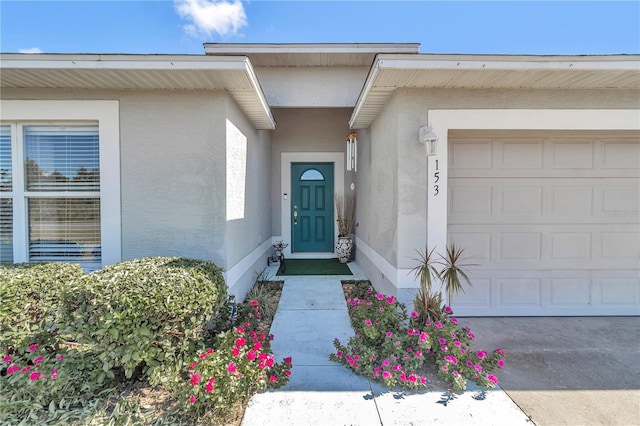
{"x": 436, "y": 178}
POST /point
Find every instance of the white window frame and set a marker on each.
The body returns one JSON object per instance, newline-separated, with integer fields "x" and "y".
{"x": 106, "y": 114}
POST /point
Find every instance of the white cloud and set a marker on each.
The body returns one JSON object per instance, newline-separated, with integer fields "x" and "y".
{"x": 30, "y": 50}
{"x": 206, "y": 17}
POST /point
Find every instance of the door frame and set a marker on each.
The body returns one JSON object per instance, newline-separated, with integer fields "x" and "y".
{"x": 337, "y": 158}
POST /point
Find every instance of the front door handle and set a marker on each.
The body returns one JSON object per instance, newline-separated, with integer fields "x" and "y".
{"x": 295, "y": 215}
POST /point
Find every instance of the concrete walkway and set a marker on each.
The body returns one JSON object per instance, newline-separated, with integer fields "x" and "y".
{"x": 312, "y": 312}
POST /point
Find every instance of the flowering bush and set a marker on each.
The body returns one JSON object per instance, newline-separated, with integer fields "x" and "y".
{"x": 383, "y": 348}
{"x": 241, "y": 365}
{"x": 457, "y": 362}
{"x": 39, "y": 377}
{"x": 386, "y": 350}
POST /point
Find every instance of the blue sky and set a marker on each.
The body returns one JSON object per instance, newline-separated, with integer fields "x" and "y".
{"x": 181, "y": 26}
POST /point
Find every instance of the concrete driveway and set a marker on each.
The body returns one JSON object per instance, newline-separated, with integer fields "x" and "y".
{"x": 568, "y": 370}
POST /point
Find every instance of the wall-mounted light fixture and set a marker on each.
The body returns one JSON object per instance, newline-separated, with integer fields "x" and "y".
{"x": 352, "y": 151}
{"x": 429, "y": 139}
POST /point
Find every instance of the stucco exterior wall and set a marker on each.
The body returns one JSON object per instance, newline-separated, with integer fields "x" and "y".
{"x": 304, "y": 130}
{"x": 312, "y": 87}
{"x": 172, "y": 153}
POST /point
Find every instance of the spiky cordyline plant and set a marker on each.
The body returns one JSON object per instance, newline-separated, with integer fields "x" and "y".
{"x": 427, "y": 304}
{"x": 345, "y": 214}
{"x": 453, "y": 273}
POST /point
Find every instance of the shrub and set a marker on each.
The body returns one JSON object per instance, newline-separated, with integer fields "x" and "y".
{"x": 45, "y": 384}
{"x": 30, "y": 295}
{"x": 143, "y": 314}
{"x": 241, "y": 365}
{"x": 457, "y": 362}
{"x": 385, "y": 349}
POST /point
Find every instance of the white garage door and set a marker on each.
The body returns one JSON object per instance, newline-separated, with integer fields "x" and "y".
{"x": 551, "y": 219}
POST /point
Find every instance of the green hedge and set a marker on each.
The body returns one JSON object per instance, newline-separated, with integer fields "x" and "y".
{"x": 29, "y": 301}
{"x": 143, "y": 313}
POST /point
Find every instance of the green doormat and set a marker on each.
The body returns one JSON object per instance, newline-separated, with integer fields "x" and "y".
{"x": 314, "y": 267}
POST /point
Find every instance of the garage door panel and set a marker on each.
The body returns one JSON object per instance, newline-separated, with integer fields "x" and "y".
{"x": 520, "y": 291}
{"x": 621, "y": 155}
{"x": 571, "y": 155}
{"x": 553, "y": 222}
{"x": 620, "y": 292}
{"x": 570, "y": 292}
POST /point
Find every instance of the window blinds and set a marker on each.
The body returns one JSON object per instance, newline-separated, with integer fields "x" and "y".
{"x": 6, "y": 203}
{"x": 61, "y": 158}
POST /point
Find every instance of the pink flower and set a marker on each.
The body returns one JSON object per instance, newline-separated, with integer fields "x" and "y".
{"x": 471, "y": 336}
{"x": 34, "y": 376}
{"x": 208, "y": 388}
{"x": 500, "y": 363}
{"x": 442, "y": 340}
{"x": 500, "y": 351}
{"x": 287, "y": 361}
{"x": 389, "y": 334}
{"x": 397, "y": 367}
{"x": 438, "y": 324}
{"x": 339, "y": 354}
{"x": 251, "y": 355}
{"x": 418, "y": 354}
{"x": 390, "y": 300}
{"x": 444, "y": 348}
{"x": 414, "y": 314}
{"x": 481, "y": 354}
{"x": 231, "y": 367}
{"x": 33, "y": 347}
{"x": 54, "y": 374}
{"x": 192, "y": 366}
{"x": 492, "y": 379}
{"x": 478, "y": 368}
{"x": 12, "y": 369}
{"x": 240, "y": 341}
{"x": 254, "y": 303}
{"x": 195, "y": 379}
{"x": 203, "y": 355}
{"x": 454, "y": 320}
{"x": 240, "y": 329}
{"x": 6, "y": 359}
{"x": 368, "y": 323}
{"x": 235, "y": 352}
{"x": 469, "y": 364}
{"x": 25, "y": 369}
{"x": 38, "y": 359}
{"x": 60, "y": 357}
{"x": 412, "y": 378}
{"x": 457, "y": 343}
{"x": 381, "y": 309}
{"x": 257, "y": 346}
{"x": 445, "y": 368}
{"x": 192, "y": 399}
{"x": 386, "y": 374}
{"x": 423, "y": 380}
{"x": 380, "y": 296}
{"x": 423, "y": 336}
{"x": 385, "y": 362}
{"x": 448, "y": 310}
{"x": 273, "y": 378}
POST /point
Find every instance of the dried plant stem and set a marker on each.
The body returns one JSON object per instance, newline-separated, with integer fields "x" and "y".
{"x": 345, "y": 214}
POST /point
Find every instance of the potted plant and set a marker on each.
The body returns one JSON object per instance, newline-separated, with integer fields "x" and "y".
{"x": 345, "y": 213}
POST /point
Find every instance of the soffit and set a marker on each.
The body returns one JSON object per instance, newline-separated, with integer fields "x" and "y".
{"x": 391, "y": 72}
{"x": 141, "y": 72}
{"x": 311, "y": 54}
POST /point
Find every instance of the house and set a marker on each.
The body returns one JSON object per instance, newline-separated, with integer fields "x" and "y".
{"x": 536, "y": 171}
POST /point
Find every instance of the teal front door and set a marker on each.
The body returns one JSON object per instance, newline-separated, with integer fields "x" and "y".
{"x": 312, "y": 207}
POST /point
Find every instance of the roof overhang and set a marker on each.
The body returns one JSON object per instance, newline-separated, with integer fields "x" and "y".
{"x": 390, "y": 72}
{"x": 311, "y": 54}
{"x": 233, "y": 74}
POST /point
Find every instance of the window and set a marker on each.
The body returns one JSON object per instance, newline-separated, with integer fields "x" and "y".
{"x": 312, "y": 174}
{"x": 6, "y": 199}
{"x": 57, "y": 185}
{"x": 60, "y": 182}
